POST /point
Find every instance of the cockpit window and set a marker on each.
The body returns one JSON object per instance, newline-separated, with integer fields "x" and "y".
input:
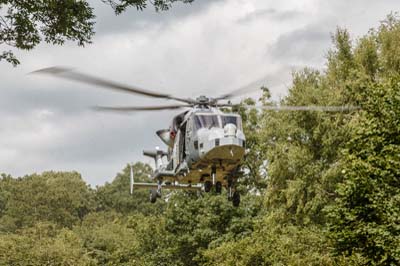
{"x": 227, "y": 119}
{"x": 206, "y": 121}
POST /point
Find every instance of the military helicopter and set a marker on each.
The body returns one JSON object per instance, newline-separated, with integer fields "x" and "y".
{"x": 204, "y": 145}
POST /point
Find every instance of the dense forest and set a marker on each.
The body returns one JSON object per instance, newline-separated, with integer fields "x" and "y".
{"x": 318, "y": 188}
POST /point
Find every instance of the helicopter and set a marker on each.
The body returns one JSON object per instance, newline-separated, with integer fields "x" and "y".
{"x": 205, "y": 146}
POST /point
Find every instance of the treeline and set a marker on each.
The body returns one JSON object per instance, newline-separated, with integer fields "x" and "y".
{"x": 56, "y": 219}
{"x": 320, "y": 188}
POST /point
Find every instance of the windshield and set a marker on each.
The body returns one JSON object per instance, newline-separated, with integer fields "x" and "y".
{"x": 232, "y": 120}
{"x": 206, "y": 121}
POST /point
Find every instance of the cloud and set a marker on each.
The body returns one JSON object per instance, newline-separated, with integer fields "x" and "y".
{"x": 132, "y": 19}
{"x": 272, "y": 14}
{"x": 304, "y": 46}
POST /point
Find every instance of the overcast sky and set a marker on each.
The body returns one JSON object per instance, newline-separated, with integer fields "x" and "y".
{"x": 206, "y": 47}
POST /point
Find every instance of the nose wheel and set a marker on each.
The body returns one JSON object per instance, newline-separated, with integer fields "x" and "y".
{"x": 153, "y": 195}
{"x": 207, "y": 186}
{"x": 218, "y": 187}
{"x": 156, "y": 193}
{"x": 236, "y": 199}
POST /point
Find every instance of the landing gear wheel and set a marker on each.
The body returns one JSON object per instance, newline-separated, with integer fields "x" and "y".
{"x": 236, "y": 199}
{"x": 207, "y": 186}
{"x": 218, "y": 187}
{"x": 153, "y": 195}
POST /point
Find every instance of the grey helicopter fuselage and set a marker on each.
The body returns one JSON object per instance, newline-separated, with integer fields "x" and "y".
{"x": 204, "y": 144}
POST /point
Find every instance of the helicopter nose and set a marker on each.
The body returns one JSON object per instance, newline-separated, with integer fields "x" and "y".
{"x": 230, "y": 130}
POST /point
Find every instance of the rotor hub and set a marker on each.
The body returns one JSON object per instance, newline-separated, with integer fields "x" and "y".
{"x": 202, "y": 100}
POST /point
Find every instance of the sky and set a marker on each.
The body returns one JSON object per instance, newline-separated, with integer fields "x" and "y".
{"x": 208, "y": 47}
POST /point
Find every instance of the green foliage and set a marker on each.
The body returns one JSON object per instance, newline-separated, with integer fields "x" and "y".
{"x": 120, "y": 6}
{"x": 255, "y": 174}
{"x": 43, "y": 244}
{"x": 10, "y": 58}
{"x": 116, "y": 195}
{"x": 274, "y": 243}
{"x": 61, "y": 198}
{"x": 108, "y": 239}
{"x": 365, "y": 218}
{"x": 387, "y": 39}
{"x": 366, "y": 215}
{"x": 195, "y": 224}
{"x": 27, "y": 23}
{"x": 302, "y": 149}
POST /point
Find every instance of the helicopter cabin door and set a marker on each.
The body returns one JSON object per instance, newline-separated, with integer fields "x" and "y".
{"x": 175, "y": 152}
{"x": 179, "y": 152}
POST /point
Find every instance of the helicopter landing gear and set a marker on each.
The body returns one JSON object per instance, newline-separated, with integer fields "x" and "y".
{"x": 217, "y": 184}
{"x": 218, "y": 187}
{"x": 155, "y": 193}
{"x": 233, "y": 194}
{"x": 213, "y": 174}
{"x": 236, "y": 199}
{"x": 207, "y": 186}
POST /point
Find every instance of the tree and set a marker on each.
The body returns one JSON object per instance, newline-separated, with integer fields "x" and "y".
{"x": 365, "y": 219}
{"x": 194, "y": 224}
{"x": 302, "y": 149}
{"x": 109, "y": 239}
{"x": 25, "y": 24}
{"x": 62, "y": 198}
{"x": 254, "y": 177}
{"x": 116, "y": 195}
{"x": 120, "y": 6}
{"x": 273, "y": 243}
{"x": 43, "y": 244}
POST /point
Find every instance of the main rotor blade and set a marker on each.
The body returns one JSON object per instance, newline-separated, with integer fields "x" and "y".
{"x": 253, "y": 86}
{"x": 299, "y": 108}
{"x": 140, "y": 108}
{"x": 67, "y": 73}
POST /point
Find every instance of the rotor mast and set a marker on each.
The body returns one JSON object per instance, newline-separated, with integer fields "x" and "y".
{"x": 202, "y": 101}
